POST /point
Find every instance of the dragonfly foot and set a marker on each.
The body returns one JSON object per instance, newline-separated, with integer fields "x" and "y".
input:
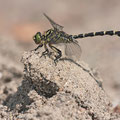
{"x": 57, "y": 59}
{"x": 55, "y": 62}
{"x": 46, "y": 53}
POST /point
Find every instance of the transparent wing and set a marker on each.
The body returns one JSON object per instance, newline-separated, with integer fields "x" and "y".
{"x": 73, "y": 50}
{"x": 55, "y": 25}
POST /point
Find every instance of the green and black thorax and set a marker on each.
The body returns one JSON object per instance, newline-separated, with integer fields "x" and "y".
{"x": 55, "y": 36}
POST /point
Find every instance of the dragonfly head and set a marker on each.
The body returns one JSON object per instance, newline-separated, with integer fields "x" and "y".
{"x": 37, "y": 38}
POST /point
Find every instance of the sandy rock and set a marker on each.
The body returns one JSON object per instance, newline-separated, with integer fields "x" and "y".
{"x": 66, "y": 91}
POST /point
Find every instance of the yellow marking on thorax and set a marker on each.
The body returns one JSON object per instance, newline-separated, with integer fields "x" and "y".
{"x": 47, "y": 33}
{"x": 43, "y": 42}
{"x": 48, "y": 39}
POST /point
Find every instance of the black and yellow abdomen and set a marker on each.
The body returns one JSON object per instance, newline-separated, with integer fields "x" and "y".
{"x": 101, "y": 33}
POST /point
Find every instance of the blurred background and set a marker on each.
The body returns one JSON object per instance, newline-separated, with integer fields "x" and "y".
{"x": 20, "y": 20}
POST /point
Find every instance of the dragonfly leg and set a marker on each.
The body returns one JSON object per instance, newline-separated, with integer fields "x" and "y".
{"x": 46, "y": 52}
{"x": 37, "y": 48}
{"x": 57, "y": 51}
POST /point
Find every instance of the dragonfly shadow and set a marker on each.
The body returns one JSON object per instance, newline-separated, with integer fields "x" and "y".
{"x": 72, "y": 61}
{"x": 89, "y": 71}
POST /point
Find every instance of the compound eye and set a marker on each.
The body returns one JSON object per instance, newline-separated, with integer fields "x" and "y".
{"x": 39, "y": 34}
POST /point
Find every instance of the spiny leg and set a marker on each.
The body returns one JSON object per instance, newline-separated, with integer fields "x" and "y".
{"x": 46, "y": 52}
{"x": 37, "y": 47}
{"x": 57, "y": 51}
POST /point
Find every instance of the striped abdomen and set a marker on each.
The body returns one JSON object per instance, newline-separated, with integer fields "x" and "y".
{"x": 101, "y": 33}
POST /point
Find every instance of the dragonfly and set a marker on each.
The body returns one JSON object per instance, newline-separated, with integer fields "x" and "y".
{"x": 56, "y": 35}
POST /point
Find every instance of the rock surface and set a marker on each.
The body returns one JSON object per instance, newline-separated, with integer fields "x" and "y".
{"x": 67, "y": 91}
